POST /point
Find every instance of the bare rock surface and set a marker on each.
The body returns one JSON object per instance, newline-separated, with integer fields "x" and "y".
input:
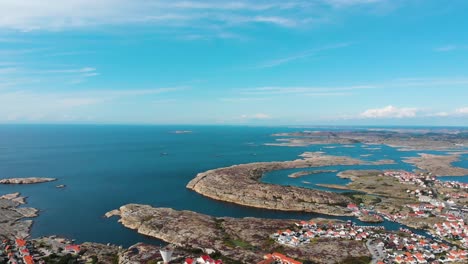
{"x": 11, "y": 217}
{"x": 245, "y": 239}
{"x": 438, "y": 165}
{"x": 30, "y": 180}
{"x": 241, "y": 184}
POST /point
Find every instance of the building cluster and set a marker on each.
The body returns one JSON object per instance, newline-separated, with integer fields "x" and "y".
{"x": 453, "y": 229}
{"x": 18, "y": 251}
{"x": 204, "y": 259}
{"x": 452, "y": 184}
{"x": 403, "y": 247}
{"x": 417, "y": 249}
{"x": 311, "y": 230}
{"x": 21, "y": 251}
{"x": 362, "y": 212}
{"x": 278, "y": 258}
{"x": 406, "y": 177}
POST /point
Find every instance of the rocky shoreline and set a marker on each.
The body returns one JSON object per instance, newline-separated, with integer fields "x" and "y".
{"x": 405, "y": 140}
{"x": 12, "y": 223}
{"x": 307, "y": 173}
{"x": 240, "y": 184}
{"x": 241, "y": 240}
{"x": 438, "y": 165}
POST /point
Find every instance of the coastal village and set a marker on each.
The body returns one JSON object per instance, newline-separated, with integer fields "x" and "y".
{"x": 445, "y": 242}
{"x": 440, "y": 205}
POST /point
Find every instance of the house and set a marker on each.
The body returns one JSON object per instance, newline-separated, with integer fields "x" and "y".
{"x": 353, "y": 207}
{"x": 28, "y": 260}
{"x": 20, "y": 243}
{"x": 74, "y": 249}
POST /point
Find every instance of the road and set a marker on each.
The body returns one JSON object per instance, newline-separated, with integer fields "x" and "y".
{"x": 377, "y": 252}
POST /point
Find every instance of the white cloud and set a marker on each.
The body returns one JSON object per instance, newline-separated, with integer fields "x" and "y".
{"x": 258, "y": 116}
{"x": 312, "y": 52}
{"x": 462, "y": 111}
{"x": 29, "y": 15}
{"x": 447, "y": 48}
{"x": 390, "y": 112}
{"x": 23, "y": 105}
{"x": 80, "y": 70}
{"x": 440, "y": 114}
{"x": 311, "y": 91}
{"x": 344, "y": 3}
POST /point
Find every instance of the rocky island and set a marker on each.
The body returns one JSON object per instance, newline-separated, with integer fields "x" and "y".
{"x": 243, "y": 240}
{"x": 31, "y": 180}
{"x": 306, "y": 173}
{"x": 419, "y": 139}
{"x": 438, "y": 165}
{"x": 241, "y": 184}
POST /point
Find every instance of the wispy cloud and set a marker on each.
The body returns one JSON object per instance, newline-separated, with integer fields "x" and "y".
{"x": 390, "y": 112}
{"x": 448, "y": 48}
{"x": 317, "y": 91}
{"x": 302, "y": 55}
{"x": 26, "y": 105}
{"x": 27, "y": 15}
{"x": 346, "y": 3}
{"x": 79, "y": 70}
{"x": 244, "y": 99}
{"x": 258, "y": 116}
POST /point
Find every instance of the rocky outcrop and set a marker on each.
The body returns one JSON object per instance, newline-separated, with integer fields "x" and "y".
{"x": 30, "y": 180}
{"x": 241, "y": 184}
{"x": 307, "y": 173}
{"x": 11, "y": 223}
{"x": 245, "y": 239}
{"x": 438, "y": 165}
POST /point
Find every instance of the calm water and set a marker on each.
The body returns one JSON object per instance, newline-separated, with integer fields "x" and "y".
{"x": 105, "y": 167}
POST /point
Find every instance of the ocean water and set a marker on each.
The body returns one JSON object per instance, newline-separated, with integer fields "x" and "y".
{"x": 104, "y": 167}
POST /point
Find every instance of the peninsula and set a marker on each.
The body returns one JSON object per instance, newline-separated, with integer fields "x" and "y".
{"x": 438, "y": 165}
{"x": 300, "y": 174}
{"x": 238, "y": 240}
{"x": 12, "y": 223}
{"x": 240, "y": 184}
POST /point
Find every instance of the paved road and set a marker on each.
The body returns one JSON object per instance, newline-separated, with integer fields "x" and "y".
{"x": 377, "y": 252}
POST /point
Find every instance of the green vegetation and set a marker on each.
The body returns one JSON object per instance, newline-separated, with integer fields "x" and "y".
{"x": 66, "y": 259}
{"x": 225, "y": 259}
{"x": 238, "y": 243}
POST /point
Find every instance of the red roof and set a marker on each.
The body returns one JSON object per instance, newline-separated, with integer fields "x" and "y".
{"x": 75, "y": 248}
{"x": 20, "y": 242}
{"x": 205, "y": 257}
{"x": 28, "y": 260}
{"x": 189, "y": 261}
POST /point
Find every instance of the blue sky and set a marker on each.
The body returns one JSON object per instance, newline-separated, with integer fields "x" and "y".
{"x": 289, "y": 62}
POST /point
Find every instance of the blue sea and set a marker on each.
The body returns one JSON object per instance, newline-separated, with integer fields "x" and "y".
{"x": 104, "y": 167}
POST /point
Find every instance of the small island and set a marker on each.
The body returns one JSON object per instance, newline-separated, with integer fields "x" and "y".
{"x": 307, "y": 173}
{"x": 182, "y": 132}
{"x": 30, "y": 180}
